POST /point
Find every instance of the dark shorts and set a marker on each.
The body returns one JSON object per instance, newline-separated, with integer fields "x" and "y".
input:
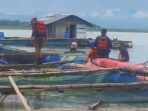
{"x": 38, "y": 42}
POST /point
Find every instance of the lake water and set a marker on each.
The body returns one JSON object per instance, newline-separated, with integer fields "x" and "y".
{"x": 138, "y": 54}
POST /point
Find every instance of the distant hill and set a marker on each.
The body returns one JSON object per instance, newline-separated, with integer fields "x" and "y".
{"x": 136, "y": 24}
{"x": 15, "y": 17}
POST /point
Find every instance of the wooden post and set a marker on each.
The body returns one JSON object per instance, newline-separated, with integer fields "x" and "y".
{"x": 22, "y": 98}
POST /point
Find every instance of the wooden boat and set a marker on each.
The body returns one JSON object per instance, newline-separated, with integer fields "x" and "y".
{"x": 24, "y": 58}
{"x": 29, "y": 58}
{"x": 30, "y": 66}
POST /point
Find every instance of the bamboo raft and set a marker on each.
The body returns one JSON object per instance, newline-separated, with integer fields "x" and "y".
{"x": 101, "y": 86}
{"x": 98, "y": 109}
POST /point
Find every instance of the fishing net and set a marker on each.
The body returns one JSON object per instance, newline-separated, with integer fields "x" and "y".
{"x": 136, "y": 97}
{"x": 68, "y": 79}
{"x": 84, "y": 98}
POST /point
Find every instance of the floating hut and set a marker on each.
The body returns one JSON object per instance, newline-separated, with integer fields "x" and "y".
{"x": 66, "y": 26}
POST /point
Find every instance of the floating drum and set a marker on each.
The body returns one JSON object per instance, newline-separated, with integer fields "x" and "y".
{"x": 117, "y": 77}
{"x": 2, "y": 35}
{"x": 52, "y": 58}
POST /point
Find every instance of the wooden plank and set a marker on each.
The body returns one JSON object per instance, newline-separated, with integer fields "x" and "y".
{"x": 22, "y": 98}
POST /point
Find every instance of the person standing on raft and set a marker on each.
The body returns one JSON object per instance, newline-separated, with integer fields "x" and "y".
{"x": 103, "y": 45}
{"x": 123, "y": 53}
{"x": 38, "y": 37}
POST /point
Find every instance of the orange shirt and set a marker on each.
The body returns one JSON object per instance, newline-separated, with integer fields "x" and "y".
{"x": 91, "y": 53}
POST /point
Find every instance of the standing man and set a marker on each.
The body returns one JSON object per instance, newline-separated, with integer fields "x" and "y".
{"x": 38, "y": 37}
{"x": 103, "y": 45}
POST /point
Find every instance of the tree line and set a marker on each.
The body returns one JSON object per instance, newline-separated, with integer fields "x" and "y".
{"x": 14, "y": 24}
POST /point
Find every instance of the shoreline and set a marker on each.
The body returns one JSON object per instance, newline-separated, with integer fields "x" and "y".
{"x": 109, "y": 30}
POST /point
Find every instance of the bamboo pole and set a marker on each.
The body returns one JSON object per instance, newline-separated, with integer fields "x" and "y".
{"x": 22, "y": 98}
{"x": 100, "y": 86}
{"x": 98, "y": 109}
{"x": 57, "y": 73}
{"x": 73, "y": 72}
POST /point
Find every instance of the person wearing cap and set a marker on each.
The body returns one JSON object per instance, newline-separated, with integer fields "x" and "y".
{"x": 103, "y": 45}
{"x": 123, "y": 53}
{"x": 73, "y": 46}
{"x": 38, "y": 37}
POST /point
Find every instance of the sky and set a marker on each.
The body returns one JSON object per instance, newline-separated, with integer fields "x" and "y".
{"x": 97, "y": 11}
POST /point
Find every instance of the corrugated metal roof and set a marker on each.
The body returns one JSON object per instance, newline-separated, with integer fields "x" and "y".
{"x": 56, "y": 17}
{"x": 53, "y": 18}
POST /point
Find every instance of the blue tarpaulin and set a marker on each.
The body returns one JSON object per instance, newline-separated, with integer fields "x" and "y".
{"x": 118, "y": 77}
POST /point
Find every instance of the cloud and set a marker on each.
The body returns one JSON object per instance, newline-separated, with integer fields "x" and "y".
{"x": 115, "y": 14}
{"x": 101, "y": 13}
{"x": 108, "y": 13}
{"x": 141, "y": 14}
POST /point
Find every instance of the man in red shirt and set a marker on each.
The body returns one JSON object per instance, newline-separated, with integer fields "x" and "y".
{"x": 103, "y": 45}
{"x": 38, "y": 37}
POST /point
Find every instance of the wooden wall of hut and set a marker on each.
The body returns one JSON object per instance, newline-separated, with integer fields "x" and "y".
{"x": 49, "y": 30}
{"x": 58, "y": 29}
